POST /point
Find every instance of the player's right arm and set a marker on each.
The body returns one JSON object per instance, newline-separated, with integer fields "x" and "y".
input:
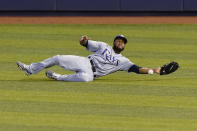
{"x": 84, "y": 40}
{"x": 89, "y": 44}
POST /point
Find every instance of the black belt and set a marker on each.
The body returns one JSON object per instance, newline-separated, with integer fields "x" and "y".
{"x": 93, "y": 67}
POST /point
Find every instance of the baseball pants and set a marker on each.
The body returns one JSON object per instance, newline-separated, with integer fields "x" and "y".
{"x": 81, "y": 65}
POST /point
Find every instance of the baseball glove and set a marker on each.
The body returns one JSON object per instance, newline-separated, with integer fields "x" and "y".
{"x": 169, "y": 68}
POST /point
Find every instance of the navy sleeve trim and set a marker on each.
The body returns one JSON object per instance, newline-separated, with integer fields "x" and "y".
{"x": 134, "y": 68}
{"x": 86, "y": 45}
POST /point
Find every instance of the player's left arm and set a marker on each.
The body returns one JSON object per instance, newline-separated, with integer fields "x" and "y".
{"x": 164, "y": 70}
{"x": 144, "y": 70}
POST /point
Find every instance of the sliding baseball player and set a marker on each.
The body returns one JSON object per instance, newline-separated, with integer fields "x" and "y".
{"x": 104, "y": 60}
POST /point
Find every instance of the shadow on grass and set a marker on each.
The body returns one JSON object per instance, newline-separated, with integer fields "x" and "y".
{"x": 30, "y": 80}
{"x": 133, "y": 80}
{"x": 118, "y": 80}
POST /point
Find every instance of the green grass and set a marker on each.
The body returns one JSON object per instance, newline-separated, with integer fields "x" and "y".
{"x": 120, "y": 101}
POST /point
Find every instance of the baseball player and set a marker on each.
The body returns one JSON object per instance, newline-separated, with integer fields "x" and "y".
{"x": 104, "y": 60}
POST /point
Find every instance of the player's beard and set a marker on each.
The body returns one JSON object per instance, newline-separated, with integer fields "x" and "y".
{"x": 117, "y": 49}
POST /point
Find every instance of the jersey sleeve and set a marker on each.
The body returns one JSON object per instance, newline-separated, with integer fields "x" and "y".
{"x": 134, "y": 68}
{"x": 129, "y": 66}
{"x": 93, "y": 45}
{"x": 126, "y": 64}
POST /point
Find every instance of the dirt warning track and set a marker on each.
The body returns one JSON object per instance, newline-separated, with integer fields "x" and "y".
{"x": 98, "y": 20}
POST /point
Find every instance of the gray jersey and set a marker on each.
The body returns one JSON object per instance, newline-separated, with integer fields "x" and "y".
{"x": 106, "y": 61}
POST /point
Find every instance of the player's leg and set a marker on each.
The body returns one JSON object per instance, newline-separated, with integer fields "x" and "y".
{"x": 24, "y": 67}
{"x": 80, "y": 65}
{"x": 37, "y": 67}
{"x": 78, "y": 77}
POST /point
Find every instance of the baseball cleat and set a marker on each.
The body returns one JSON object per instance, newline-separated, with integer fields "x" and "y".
{"x": 52, "y": 75}
{"x": 24, "y": 68}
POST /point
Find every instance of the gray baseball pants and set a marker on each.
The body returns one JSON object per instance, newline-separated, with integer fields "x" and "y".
{"x": 81, "y": 65}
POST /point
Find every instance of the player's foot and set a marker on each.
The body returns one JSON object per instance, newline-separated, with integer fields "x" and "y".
{"x": 24, "y": 68}
{"x": 52, "y": 75}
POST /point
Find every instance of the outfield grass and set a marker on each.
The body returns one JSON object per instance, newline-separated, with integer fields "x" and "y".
{"x": 119, "y": 101}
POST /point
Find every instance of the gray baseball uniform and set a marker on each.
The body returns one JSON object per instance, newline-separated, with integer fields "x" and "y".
{"x": 102, "y": 62}
{"x": 105, "y": 60}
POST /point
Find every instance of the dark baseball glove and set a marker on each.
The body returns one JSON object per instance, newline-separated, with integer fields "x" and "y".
{"x": 169, "y": 68}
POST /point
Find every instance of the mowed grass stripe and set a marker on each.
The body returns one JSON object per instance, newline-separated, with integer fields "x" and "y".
{"x": 100, "y": 98}
{"x": 95, "y": 121}
{"x": 98, "y": 109}
{"x": 11, "y": 127}
{"x": 155, "y": 85}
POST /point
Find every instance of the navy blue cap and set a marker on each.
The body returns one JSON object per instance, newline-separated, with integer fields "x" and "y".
{"x": 121, "y": 37}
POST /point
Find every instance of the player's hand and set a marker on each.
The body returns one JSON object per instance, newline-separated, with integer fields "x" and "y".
{"x": 169, "y": 68}
{"x": 84, "y": 39}
{"x": 157, "y": 70}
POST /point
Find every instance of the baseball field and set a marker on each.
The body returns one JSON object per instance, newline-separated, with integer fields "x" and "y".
{"x": 118, "y": 102}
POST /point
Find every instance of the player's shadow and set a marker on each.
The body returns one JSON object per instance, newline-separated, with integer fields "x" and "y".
{"x": 96, "y": 80}
{"x": 133, "y": 80}
{"x": 30, "y": 80}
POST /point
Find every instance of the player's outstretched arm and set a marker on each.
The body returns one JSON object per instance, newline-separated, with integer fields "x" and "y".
{"x": 149, "y": 70}
{"x": 164, "y": 70}
{"x": 84, "y": 40}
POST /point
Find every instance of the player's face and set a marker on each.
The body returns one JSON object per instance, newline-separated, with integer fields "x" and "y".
{"x": 119, "y": 44}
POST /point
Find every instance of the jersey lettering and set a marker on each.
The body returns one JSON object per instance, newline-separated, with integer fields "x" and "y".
{"x": 108, "y": 56}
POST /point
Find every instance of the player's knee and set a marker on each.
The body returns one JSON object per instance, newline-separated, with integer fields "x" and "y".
{"x": 85, "y": 77}
{"x": 56, "y": 58}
